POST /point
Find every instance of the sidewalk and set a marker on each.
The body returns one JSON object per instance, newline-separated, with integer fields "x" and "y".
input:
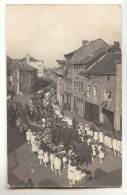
{"x": 83, "y": 121}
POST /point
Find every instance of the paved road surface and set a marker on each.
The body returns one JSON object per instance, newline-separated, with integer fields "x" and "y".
{"x": 25, "y": 165}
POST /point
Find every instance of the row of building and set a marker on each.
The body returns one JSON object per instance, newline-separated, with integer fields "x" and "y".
{"x": 89, "y": 82}
{"x": 22, "y": 73}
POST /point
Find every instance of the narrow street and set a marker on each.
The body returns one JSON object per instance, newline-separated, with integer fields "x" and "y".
{"x": 23, "y": 164}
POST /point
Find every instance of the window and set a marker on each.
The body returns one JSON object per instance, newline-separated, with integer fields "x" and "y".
{"x": 75, "y": 85}
{"x": 70, "y": 84}
{"x": 88, "y": 91}
{"x": 74, "y": 70}
{"x": 77, "y": 70}
{"x": 107, "y": 95}
{"x": 80, "y": 87}
{"x": 62, "y": 98}
{"x": 95, "y": 91}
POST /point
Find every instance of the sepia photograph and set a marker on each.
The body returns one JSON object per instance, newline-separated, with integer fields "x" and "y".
{"x": 64, "y": 95}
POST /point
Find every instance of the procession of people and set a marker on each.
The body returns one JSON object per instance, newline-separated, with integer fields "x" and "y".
{"x": 61, "y": 142}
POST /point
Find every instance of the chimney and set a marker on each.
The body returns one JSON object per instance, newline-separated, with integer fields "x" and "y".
{"x": 116, "y": 44}
{"x": 85, "y": 43}
{"x": 114, "y": 48}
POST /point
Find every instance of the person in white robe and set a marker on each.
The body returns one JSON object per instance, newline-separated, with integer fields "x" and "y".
{"x": 101, "y": 156}
{"x": 71, "y": 173}
{"x": 94, "y": 152}
{"x": 52, "y": 157}
{"x": 118, "y": 145}
{"x": 45, "y": 158}
{"x": 78, "y": 175}
{"x": 87, "y": 129}
{"x": 88, "y": 141}
{"x": 64, "y": 160}
{"x": 40, "y": 155}
{"x": 101, "y": 137}
{"x": 34, "y": 143}
{"x": 96, "y": 137}
{"x": 33, "y": 135}
{"x": 106, "y": 141}
{"x": 43, "y": 122}
{"x": 99, "y": 147}
{"x": 28, "y": 136}
{"x": 57, "y": 165}
{"x": 109, "y": 143}
{"x": 35, "y": 147}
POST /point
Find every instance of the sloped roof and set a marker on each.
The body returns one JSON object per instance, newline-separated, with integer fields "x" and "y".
{"x": 61, "y": 62}
{"x": 32, "y": 59}
{"x": 26, "y": 67}
{"x": 94, "y": 55}
{"x": 87, "y": 53}
{"x": 16, "y": 63}
{"x": 105, "y": 65}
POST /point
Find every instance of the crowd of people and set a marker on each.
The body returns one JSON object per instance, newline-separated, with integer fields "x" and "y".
{"x": 62, "y": 142}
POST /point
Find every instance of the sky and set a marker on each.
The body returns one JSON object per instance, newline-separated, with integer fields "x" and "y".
{"x": 49, "y": 31}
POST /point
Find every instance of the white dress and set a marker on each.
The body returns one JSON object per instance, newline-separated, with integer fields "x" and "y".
{"x": 45, "y": 157}
{"x": 87, "y": 129}
{"x": 114, "y": 144}
{"x": 57, "y": 163}
{"x": 106, "y": 140}
{"x": 71, "y": 172}
{"x": 118, "y": 145}
{"x": 101, "y": 137}
{"x": 64, "y": 159}
{"x": 51, "y": 157}
{"x": 77, "y": 175}
{"x": 109, "y": 142}
{"x": 34, "y": 147}
{"x": 32, "y": 138}
{"x": 96, "y": 136}
{"x": 88, "y": 141}
{"x": 28, "y": 135}
{"x": 94, "y": 152}
{"x": 101, "y": 154}
{"x": 40, "y": 154}
{"x": 99, "y": 148}
{"x": 90, "y": 132}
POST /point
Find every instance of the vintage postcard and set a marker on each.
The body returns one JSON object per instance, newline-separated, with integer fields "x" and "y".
{"x": 64, "y": 96}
